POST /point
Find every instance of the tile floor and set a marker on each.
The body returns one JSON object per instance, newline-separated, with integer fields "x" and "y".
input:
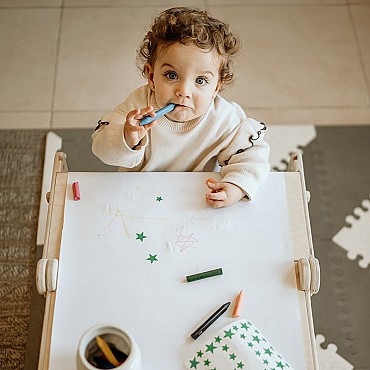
{"x": 65, "y": 62}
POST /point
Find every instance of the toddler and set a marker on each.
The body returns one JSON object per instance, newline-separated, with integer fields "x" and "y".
{"x": 186, "y": 58}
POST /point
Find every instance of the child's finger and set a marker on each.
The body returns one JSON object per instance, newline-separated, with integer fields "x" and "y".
{"x": 138, "y": 114}
{"x": 215, "y": 186}
{"x": 215, "y": 203}
{"x": 150, "y": 125}
{"x": 216, "y": 196}
{"x": 131, "y": 116}
{"x": 148, "y": 111}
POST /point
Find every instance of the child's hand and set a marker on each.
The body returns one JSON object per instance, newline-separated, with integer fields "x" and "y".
{"x": 222, "y": 194}
{"x": 133, "y": 132}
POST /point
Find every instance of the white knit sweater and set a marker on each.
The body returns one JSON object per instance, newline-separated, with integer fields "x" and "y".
{"x": 223, "y": 134}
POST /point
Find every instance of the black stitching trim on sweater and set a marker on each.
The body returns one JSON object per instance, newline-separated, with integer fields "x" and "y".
{"x": 251, "y": 140}
{"x": 100, "y": 124}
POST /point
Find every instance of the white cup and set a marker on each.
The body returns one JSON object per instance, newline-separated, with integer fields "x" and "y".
{"x": 122, "y": 340}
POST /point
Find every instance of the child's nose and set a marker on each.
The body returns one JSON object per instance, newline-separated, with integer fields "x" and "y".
{"x": 183, "y": 90}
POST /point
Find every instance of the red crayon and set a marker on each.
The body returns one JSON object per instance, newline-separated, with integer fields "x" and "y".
{"x": 76, "y": 191}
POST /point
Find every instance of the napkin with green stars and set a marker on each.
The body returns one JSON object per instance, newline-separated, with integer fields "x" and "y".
{"x": 239, "y": 345}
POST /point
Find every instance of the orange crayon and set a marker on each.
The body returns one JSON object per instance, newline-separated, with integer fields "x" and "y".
{"x": 237, "y": 304}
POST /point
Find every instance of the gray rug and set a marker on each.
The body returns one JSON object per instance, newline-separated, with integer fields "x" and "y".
{"x": 21, "y": 165}
{"x": 337, "y": 174}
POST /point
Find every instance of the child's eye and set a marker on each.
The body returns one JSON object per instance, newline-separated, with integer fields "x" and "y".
{"x": 201, "y": 80}
{"x": 171, "y": 75}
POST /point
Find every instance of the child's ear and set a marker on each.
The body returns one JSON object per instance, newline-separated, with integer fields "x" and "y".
{"x": 218, "y": 88}
{"x": 149, "y": 71}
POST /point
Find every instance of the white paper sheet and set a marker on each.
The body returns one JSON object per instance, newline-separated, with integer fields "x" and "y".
{"x": 131, "y": 240}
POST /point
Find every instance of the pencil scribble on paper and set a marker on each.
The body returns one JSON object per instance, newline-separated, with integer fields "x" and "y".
{"x": 184, "y": 241}
{"x": 118, "y": 214}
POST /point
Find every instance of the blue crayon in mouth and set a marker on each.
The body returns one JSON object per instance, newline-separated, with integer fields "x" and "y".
{"x": 158, "y": 114}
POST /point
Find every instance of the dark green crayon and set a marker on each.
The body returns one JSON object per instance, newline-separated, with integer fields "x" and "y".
{"x": 204, "y": 275}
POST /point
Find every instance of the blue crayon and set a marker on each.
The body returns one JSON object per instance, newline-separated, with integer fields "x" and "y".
{"x": 158, "y": 114}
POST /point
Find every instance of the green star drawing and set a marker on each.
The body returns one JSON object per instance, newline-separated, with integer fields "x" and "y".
{"x": 207, "y": 362}
{"x": 228, "y": 333}
{"x": 152, "y": 258}
{"x": 267, "y": 351}
{"x": 210, "y": 347}
{"x": 250, "y": 344}
{"x": 258, "y": 353}
{"x": 140, "y": 236}
{"x": 159, "y": 199}
{"x": 279, "y": 364}
{"x": 225, "y": 347}
{"x": 218, "y": 339}
{"x": 199, "y": 354}
{"x": 235, "y": 328}
{"x": 265, "y": 362}
{"x": 256, "y": 339}
{"x": 240, "y": 365}
{"x": 244, "y": 326}
{"x": 233, "y": 356}
{"x": 193, "y": 363}
{"x": 242, "y": 336}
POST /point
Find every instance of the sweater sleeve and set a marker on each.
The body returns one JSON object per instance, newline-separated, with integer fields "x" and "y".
{"x": 108, "y": 142}
{"x": 244, "y": 162}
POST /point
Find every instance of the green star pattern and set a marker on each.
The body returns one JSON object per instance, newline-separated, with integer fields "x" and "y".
{"x": 210, "y": 347}
{"x": 267, "y": 351}
{"x": 159, "y": 199}
{"x": 244, "y": 326}
{"x": 256, "y": 339}
{"x": 228, "y": 333}
{"x": 194, "y": 363}
{"x": 232, "y": 356}
{"x": 140, "y": 236}
{"x": 152, "y": 258}
{"x": 233, "y": 348}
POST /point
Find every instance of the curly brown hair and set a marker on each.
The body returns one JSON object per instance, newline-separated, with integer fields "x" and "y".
{"x": 184, "y": 25}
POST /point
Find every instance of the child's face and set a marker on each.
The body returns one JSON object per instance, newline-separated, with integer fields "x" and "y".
{"x": 185, "y": 75}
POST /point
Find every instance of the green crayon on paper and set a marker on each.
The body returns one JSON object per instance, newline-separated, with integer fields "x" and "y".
{"x": 204, "y": 275}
